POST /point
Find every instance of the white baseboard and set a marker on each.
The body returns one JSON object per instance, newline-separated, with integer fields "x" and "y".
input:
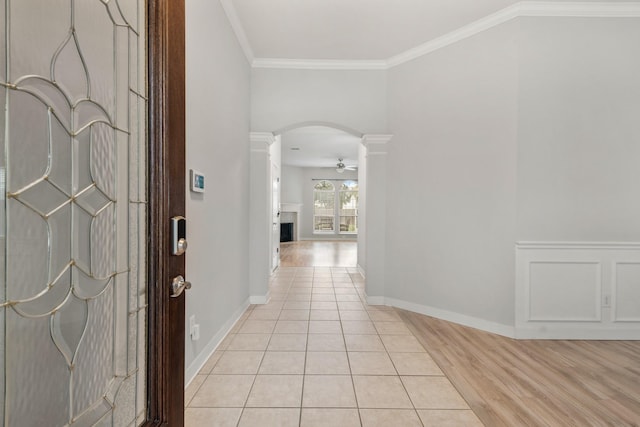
{"x": 260, "y": 299}
{"x": 197, "y": 364}
{"x": 585, "y": 332}
{"x": 361, "y": 271}
{"x": 461, "y": 319}
{"x": 375, "y": 300}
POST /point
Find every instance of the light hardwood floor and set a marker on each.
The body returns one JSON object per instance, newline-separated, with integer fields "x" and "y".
{"x": 319, "y": 254}
{"x": 515, "y": 383}
{"x": 535, "y": 382}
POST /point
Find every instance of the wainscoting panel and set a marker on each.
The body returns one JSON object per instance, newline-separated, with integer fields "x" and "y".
{"x": 577, "y": 290}
{"x": 564, "y": 291}
{"x": 626, "y": 292}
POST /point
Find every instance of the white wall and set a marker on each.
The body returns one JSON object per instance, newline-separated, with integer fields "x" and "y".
{"x": 217, "y": 108}
{"x": 292, "y": 184}
{"x": 451, "y": 189}
{"x": 579, "y": 130}
{"x": 355, "y": 99}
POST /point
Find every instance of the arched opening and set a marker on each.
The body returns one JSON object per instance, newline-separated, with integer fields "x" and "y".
{"x": 368, "y": 164}
{"x": 330, "y": 156}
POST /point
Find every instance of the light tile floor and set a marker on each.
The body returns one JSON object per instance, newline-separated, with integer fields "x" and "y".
{"x": 318, "y": 355}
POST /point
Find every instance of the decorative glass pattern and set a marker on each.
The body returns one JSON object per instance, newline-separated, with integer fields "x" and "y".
{"x": 73, "y": 212}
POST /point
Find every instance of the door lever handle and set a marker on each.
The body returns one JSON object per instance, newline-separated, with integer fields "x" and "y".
{"x": 178, "y": 285}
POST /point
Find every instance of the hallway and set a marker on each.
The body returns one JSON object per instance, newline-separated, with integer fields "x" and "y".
{"x": 317, "y": 355}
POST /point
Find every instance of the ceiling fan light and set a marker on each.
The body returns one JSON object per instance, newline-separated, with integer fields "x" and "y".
{"x": 339, "y": 170}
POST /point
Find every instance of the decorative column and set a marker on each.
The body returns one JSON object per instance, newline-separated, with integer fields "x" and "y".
{"x": 376, "y": 213}
{"x": 259, "y": 216}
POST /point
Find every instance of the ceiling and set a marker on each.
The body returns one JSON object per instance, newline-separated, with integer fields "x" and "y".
{"x": 352, "y": 29}
{"x": 319, "y": 146}
{"x": 373, "y": 31}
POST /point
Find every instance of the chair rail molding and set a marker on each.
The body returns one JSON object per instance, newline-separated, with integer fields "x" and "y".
{"x": 577, "y": 290}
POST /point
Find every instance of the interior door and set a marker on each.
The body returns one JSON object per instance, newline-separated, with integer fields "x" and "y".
{"x": 91, "y": 171}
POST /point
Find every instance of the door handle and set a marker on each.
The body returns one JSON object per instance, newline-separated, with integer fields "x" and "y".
{"x": 178, "y": 285}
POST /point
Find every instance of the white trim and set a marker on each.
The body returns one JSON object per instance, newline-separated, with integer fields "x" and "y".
{"x": 590, "y": 332}
{"x": 261, "y": 142}
{"x": 461, "y": 33}
{"x": 597, "y": 294}
{"x": 361, "y": 271}
{"x": 192, "y": 370}
{"x": 601, "y": 9}
{"x": 521, "y": 9}
{"x": 260, "y": 299}
{"x": 319, "y": 64}
{"x": 238, "y": 29}
{"x": 375, "y": 300}
{"x": 450, "y": 316}
{"x": 577, "y": 245}
{"x": 613, "y": 297}
{"x": 604, "y": 325}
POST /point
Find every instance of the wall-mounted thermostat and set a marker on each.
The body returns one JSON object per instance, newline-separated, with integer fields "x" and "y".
{"x": 196, "y": 180}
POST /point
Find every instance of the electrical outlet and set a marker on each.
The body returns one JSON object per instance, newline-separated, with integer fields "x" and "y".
{"x": 606, "y": 301}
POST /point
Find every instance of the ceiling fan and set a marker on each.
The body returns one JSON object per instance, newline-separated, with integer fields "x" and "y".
{"x": 341, "y": 167}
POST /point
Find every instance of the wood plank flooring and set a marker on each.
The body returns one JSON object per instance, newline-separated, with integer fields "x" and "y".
{"x": 319, "y": 254}
{"x": 536, "y": 382}
{"x": 509, "y": 382}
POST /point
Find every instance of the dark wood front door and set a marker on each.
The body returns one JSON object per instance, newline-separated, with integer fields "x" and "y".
{"x": 166, "y": 61}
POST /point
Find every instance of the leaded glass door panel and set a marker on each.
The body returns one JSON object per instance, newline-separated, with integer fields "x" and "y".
{"x": 73, "y": 213}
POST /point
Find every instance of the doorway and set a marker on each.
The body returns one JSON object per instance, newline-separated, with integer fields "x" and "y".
{"x": 319, "y": 178}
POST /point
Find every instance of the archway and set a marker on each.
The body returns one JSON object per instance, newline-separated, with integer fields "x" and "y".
{"x": 371, "y": 161}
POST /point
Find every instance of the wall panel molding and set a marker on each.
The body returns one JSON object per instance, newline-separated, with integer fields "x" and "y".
{"x": 578, "y": 290}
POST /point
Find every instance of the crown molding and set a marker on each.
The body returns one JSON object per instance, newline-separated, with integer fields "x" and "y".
{"x": 237, "y": 28}
{"x": 319, "y": 64}
{"x": 600, "y": 9}
{"x": 454, "y": 36}
{"x": 261, "y": 141}
{"x": 523, "y": 8}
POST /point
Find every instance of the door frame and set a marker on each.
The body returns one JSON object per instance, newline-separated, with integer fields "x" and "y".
{"x": 166, "y": 198}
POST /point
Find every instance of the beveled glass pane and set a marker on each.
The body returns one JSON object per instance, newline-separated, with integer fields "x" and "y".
{"x": 125, "y": 408}
{"x": 81, "y": 238}
{"x": 44, "y": 198}
{"x": 69, "y": 71}
{"x": 75, "y": 332}
{"x": 3, "y": 60}
{"x": 95, "y": 36}
{"x": 61, "y": 157}
{"x": 28, "y": 260}
{"x": 129, "y": 12}
{"x": 122, "y": 77}
{"x": 68, "y": 325}
{"x": 94, "y": 361}
{"x": 103, "y": 244}
{"x": 28, "y": 140}
{"x": 35, "y": 372}
{"x": 38, "y": 29}
{"x": 49, "y": 300}
{"x": 60, "y": 244}
{"x": 103, "y": 158}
